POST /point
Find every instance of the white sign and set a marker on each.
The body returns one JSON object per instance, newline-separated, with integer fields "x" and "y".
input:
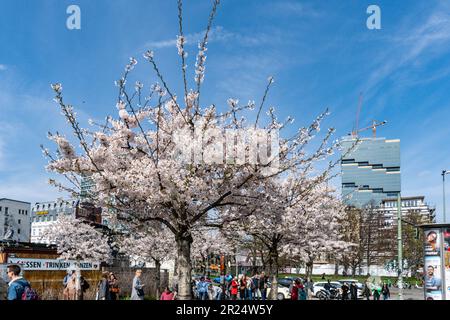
{"x": 55, "y": 265}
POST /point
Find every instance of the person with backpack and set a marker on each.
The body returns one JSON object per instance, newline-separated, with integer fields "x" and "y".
{"x": 18, "y": 287}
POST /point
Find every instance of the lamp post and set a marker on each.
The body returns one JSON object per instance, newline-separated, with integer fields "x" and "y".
{"x": 444, "y": 172}
{"x": 399, "y": 247}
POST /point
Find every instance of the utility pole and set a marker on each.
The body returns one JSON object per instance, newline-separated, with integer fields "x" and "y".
{"x": 400, "y": 249}
{"x": 444, "y": 172}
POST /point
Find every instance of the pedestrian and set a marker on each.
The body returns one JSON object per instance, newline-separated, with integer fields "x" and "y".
{"x": 263, "y": 285}
{"x": 202, "y": 289}
{"x": 114, "y": 288}
{"x": 302, "y": 292}
{"x": 294, "y": 289}
{"x": 70, "y": 291}
{"x": 385, "y": 291}
{"x": 256, "y": 291}
{"x": 103, "y": 288}
{"x": 249, "y": 289}
{"x": 366, "y": 291}
{"x": 323, "y": 276}
{"x": 309, "y": 287}
{"x": 17, "y": 285}
{"x": 242, "y": 287}
{"x": 67, "y": 277}
{"x": 167, "y": 294}
{"x": 327, "y": 286}
{"x": 137, "y": 290}
{"x": 345, "y": 290}
{"x": 376, "y": 294}
{"x": 234, "y": 286}
{"x": 353, "y": 291}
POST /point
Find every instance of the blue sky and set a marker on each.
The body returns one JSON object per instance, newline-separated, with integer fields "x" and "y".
{"x": 320, "y": 53}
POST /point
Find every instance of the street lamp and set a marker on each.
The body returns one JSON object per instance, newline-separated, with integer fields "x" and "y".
{"x": 444, "y": 172}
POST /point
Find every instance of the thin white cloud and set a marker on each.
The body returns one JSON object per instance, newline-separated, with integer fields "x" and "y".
{"x": 415, "y": 44}
{"x": 3, "y": 67}
{"x": 217, "y": 34}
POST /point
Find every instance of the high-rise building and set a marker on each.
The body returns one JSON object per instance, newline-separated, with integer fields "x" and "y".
{"x": 15, "y": 220}
{"x": 370, "y": 170}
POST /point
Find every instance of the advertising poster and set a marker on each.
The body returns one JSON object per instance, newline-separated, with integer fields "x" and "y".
{"x": 433, "y": 278}
{"x": 432, "y": 242}
{"x": 447, "y": 262}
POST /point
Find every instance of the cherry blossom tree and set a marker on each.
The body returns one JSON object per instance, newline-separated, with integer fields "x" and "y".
{"x": 298, "y": 217}
{"x": 207, "y": 241}
{"x": 77, "y": 240}
{"x": 174, "y": 161}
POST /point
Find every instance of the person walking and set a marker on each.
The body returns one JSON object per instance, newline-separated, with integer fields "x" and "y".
{"x": 345, "y": 290}
{"x": 71, "y": 292}
{"x": 366, "y": 291}
{"x": 114, "y": 289}
{"x": 353, "y": 291}
{"x": 103, "y": 289}
{"x": 294, "y": 289}
{"x": 263, "y": 285}
{"x": 137, "y": 290}
{"x": 302, "y": 292}
{"x": 249, "y": 289}
{"x": 202, "y": 289}
{"x": 376, "y": 294}
{"x": 385, "y": 291}
{"x": 167, "y": 294}
{"x": 309, "y": 287}
{"x": 234, "y": 286}
{"x": 256, "y": 290}
{"x": 17, "y": 284}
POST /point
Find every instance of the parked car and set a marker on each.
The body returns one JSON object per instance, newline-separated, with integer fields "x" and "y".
{"x": 283, "y": 292}
{"x": 318, "y": 286}
{"x": 286, "y": 282}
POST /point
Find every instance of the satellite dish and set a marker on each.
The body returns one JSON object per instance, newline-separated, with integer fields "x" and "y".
{"x": 9, "y": 234}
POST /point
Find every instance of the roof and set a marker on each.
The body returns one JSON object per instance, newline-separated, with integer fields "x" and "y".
{"x": 14, "y": 200}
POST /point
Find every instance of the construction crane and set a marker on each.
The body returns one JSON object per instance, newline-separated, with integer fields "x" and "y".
{"x": 358, "y": 111}
{"x": 374, "y": 125}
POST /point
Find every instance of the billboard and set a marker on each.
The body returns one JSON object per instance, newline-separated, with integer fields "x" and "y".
{"x": 446, "y": 236}
{"x": 52, "y": 264}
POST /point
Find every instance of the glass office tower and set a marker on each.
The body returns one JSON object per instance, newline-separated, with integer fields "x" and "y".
{"x": 370, "y": 170}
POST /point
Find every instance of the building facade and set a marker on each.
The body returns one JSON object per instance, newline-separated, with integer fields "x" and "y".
{"x": 370, "y": 170}
{"x": 409, "y": 205}
{"x": 44, "y": 214}
{"x": 15, "y": 223}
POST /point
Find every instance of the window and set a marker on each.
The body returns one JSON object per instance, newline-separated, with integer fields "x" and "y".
{"x": 6, "y": 210}
{"x": 18, "y": 231}
{"x": 18, "y": 221}
{"x": 26, "y": 212}
{"x": 0, "y": 209}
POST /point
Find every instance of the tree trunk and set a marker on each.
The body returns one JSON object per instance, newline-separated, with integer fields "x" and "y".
{"x": 158, "y": 278}
{"x": 184, "y": 266}
{"x": 336, "y": 268}
{"x": 175, "y": 272}
{"x": 273, "y": 272}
